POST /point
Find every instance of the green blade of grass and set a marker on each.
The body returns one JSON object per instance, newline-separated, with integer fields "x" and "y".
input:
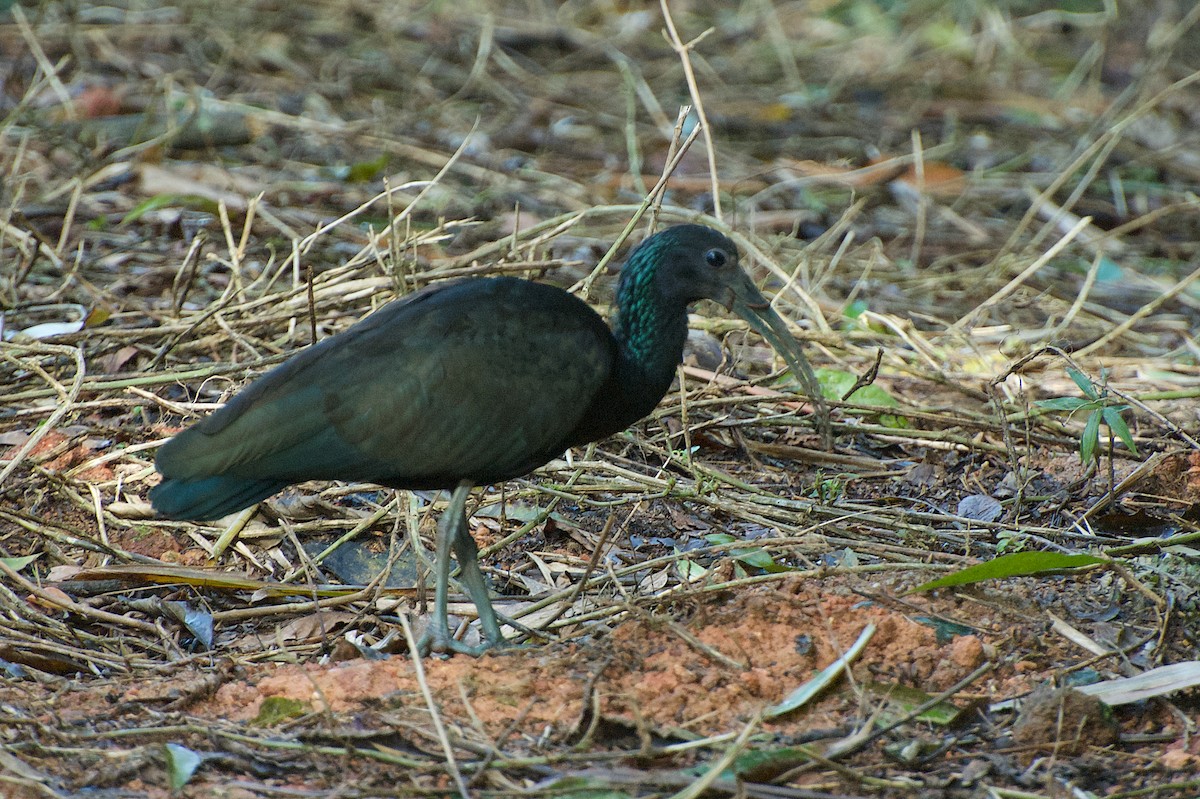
{"x": 1018, "y": 564}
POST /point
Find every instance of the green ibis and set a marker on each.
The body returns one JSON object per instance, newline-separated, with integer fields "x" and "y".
{"x": 459, "y": 385}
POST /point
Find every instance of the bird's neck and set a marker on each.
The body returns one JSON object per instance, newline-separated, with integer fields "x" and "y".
{"x": 650, "y": 332}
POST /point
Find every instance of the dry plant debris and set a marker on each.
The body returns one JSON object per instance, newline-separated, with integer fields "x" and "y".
{"x": 958, "y": 207}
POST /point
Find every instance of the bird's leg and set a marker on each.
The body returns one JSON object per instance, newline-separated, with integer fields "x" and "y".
{"x": 437, "y": 637}
{"x": 467, "y": 552}
{"x": 453, "y": 533}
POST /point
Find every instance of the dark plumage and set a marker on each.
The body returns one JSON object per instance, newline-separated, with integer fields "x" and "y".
{"x": 462, "y": 384}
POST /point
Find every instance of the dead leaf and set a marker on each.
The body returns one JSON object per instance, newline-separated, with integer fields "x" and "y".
{"x": 315, "y": 626}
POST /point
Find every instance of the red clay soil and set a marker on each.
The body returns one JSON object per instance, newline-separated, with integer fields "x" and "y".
{"x": 644, "y": 673}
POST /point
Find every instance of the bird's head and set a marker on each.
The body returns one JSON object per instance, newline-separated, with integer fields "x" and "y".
{"x": 686, "y": 263}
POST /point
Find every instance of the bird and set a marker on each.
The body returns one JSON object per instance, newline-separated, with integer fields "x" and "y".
{"x": 462, "y": 384}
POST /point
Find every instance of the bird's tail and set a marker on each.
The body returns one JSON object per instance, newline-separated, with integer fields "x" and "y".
{"x": 206, "y": 498}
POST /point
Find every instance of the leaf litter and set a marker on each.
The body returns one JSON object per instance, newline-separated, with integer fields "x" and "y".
{"x": 959, "y": 229}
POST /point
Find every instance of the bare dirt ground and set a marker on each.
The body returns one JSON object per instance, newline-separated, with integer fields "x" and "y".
{"x": 995, "y": 203}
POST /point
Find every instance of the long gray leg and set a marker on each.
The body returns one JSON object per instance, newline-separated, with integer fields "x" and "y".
{"x": 453, "y": 533}
{"x": 471, "y": 577}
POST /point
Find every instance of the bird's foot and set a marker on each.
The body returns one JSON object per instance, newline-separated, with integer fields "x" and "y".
{"x": 442, "y": 643}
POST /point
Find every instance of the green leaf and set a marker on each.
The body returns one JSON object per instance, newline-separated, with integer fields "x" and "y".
{"x": 873, "y": 395}
{"x": 1090, "y": 438}
{"x": 903, "y": 699}
{"x": 689, "y": 570}
{"x": 1007, "y": 540}
{"x": 836, "y": 382}
{"x": 759, "y": 559}
{"x": 764, "y": 765}
{"x": 754, "y": 557}
{"x": 1070, "y": 404}
{"x": 893, "y": 421}
{"x": 16, "y": 564}
{"x": 855, "y": 309}
{"x": 366, "y": 170}
{"x": 181, "y": 765}
{"x": 275, "y": 709}
{"x": 1081, "y": 380}
{"x": 1115, "y": 422}
{"x": 945, "y": 631}
{"x": 1018, "y": 564}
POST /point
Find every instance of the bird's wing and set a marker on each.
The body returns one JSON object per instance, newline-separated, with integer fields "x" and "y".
{"x": 466, "y": 383}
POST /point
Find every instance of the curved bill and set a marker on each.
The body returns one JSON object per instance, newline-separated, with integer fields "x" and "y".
{"x": 752, "y": 306}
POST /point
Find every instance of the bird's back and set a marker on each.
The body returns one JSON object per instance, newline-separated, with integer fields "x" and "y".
{"x": 481, "y": 381}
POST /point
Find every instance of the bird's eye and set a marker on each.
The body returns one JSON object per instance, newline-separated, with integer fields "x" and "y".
{"x": 716, "y": 258}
